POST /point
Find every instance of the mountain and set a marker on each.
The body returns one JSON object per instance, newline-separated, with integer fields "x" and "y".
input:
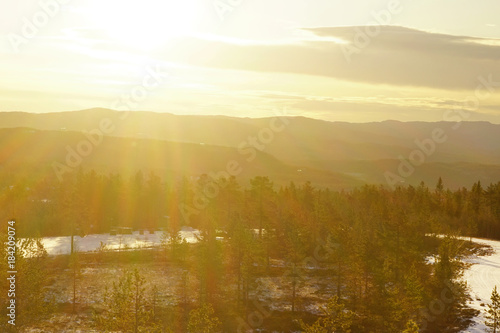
{"x": 349, "y": 153}
{"x": 40, "y": 153}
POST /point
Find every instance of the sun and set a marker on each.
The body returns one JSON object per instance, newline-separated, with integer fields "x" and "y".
{"x": 146, "y": 23}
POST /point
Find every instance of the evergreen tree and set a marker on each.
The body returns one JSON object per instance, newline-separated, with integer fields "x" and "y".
{"x": 262, "y": 187}
{"x": 493, "y": 312}
{"x": 202, "y": 320}
{"x": 125, "y": 306}
{"x": 439, "y": 186}
{"x": 34, "y": 301}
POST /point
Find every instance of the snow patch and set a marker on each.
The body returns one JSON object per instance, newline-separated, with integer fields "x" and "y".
{"x": 482, "y": 276}
{"x": 90, "y": 243}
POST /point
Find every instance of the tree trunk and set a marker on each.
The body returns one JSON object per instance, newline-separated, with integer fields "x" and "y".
{"x": 136, "y": 307}
{"x": 338, "y": 279}
{"x": 74, "y": 284}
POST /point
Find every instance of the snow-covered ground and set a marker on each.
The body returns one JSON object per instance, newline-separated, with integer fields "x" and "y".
{"x": 482, "y": 277}
{"x": 89, "y": 243}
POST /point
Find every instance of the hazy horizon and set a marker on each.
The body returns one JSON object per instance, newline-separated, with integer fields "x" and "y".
{"x": 271, "y": 115}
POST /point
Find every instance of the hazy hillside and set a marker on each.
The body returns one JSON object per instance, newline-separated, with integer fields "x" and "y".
{"x": 310, "y": 138}
{"x": 364, "y": 151}
{"x": 33, "y": 152}
{"x": 455, "y": 175}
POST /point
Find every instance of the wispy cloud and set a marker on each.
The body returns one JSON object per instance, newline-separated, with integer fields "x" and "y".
{"x": 398, "y": 56}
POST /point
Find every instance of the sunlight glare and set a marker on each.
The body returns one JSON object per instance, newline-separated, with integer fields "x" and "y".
{"x": 147, "y": 23}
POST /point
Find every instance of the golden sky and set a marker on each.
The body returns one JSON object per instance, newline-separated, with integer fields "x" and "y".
{"x": 351, "y": 60}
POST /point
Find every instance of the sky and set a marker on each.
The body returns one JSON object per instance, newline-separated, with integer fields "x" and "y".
{"x": 356, "y": 61}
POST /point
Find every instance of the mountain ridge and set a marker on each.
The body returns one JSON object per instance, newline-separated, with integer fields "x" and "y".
{"x": 333, "y": 147}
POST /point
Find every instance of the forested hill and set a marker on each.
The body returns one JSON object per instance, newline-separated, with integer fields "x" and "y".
{"x": 462, "y": 154}
{"x": 39, "y": 154}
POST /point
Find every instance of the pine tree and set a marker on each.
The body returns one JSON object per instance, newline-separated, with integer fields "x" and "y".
{"x": 493, "y": 312}
{"x": 35, "y": 302}
{"x": 261, "y": 187}
{"x": 439, "y": 186}
{"x": 126, "y": 307}
{"x": 202, "y": 320}
{"x": 439, "y": 191}
{"x": 414, "y": 293}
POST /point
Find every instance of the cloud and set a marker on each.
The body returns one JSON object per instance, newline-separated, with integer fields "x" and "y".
{"x": 397, "y": 56}
{"x": 371, "y": 108}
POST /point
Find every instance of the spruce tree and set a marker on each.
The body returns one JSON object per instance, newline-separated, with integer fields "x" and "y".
{"x": 493, "y": 312}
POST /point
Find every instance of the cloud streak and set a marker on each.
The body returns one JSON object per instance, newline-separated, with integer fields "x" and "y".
{"x": 398, "y": 56}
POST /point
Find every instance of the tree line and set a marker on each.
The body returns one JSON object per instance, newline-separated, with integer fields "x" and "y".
{"x": 95, "y": 203}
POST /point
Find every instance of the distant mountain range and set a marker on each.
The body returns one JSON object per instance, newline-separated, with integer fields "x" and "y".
{"x": 335, "y": 154}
